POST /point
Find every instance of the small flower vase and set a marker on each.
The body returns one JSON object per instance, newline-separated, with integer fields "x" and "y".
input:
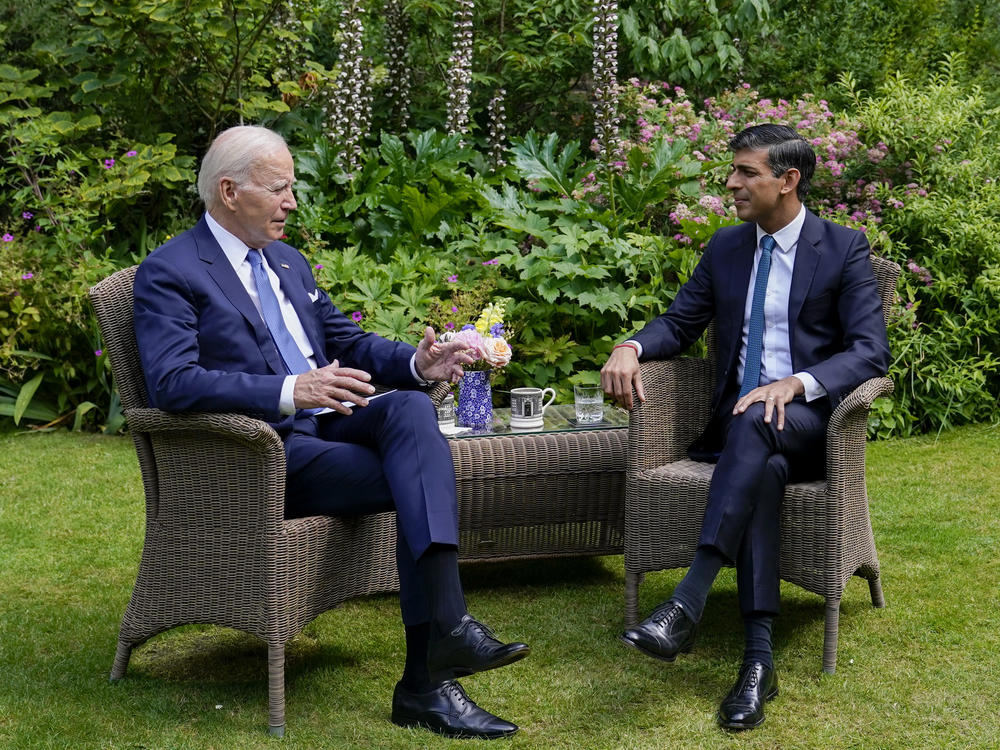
{"x": 475, "y": 400}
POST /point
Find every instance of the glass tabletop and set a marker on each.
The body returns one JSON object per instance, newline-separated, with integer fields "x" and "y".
{"x": 558, "y": 418}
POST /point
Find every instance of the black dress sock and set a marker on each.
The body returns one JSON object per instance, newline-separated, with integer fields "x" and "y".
{"x": 693, "y": 589}
{"x": 757, "y": 627}
{"x": 416, "y": 677}
{"x": 438, "y": 571}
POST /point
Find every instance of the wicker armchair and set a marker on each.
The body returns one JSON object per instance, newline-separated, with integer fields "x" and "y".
{"x": 826, "y": 533}
{"x": 218, "y": 549}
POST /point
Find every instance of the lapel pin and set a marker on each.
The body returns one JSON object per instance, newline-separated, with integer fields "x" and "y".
{"x": 284, "y": 265}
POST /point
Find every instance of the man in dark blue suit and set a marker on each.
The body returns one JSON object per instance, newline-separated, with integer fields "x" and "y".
{"x": 229, "y": 318}
{"x": 798, "y": 325}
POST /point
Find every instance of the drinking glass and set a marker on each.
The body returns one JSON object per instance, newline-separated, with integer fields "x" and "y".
{"x": 589, "y": 402}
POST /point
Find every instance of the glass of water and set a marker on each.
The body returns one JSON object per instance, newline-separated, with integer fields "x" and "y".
{"x": 589, "y": 401}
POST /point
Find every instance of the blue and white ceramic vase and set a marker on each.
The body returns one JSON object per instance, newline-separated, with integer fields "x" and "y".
{"x": 475, "y": 400}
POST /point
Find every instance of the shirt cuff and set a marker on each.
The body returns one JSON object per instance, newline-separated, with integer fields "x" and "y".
{"x": 413, "y": 369}
{"x": 286, "y": 402}
{"x": 812, "y": 387}
{"x": 637, "y": 346}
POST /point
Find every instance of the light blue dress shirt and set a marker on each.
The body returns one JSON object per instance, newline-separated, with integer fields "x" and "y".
{"x": 776, "y": 358}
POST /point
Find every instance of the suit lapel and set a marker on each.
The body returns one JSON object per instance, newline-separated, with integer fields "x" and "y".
{"x": 221, "y": 271}
{"x": 807, "y": 257}
{"x": 741, "y": 263}
{"x": 223, "y": 274}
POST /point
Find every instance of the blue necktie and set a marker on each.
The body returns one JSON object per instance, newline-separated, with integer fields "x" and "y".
{"x": 289, "y": 350}
{"x": 755, "y": 336}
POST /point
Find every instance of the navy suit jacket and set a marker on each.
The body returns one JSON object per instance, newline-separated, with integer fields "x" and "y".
{"x": 204, "y": 346}
{"x": 836, "y": 329}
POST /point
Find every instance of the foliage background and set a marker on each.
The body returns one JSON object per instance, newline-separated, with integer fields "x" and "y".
{"x": 105, "y": 108}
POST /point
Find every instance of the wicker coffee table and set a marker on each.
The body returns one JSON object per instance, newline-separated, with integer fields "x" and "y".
{"x": 554, "y": 492}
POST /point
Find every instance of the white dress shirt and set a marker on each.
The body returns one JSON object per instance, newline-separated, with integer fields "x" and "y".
{"x": 776, "y": 354}
{"x": 236, "y": 253}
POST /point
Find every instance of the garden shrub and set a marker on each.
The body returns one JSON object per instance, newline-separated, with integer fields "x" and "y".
{"x": 812, "y": 44}
{"x": 96, "y": 114}
{"x": 941, "y": 179}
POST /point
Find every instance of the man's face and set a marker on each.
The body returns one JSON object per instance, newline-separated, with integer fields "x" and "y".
{"x": 759, "y": 195}
{"x": 257, "y": 210}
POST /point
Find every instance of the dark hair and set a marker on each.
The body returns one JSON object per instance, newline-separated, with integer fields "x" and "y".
{"x": 786, "y": 150}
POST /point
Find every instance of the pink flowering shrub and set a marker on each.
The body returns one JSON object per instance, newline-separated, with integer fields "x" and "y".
{"x": 850, "y": 184}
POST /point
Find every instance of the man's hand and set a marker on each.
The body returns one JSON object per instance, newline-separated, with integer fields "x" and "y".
{"x": 774, "y": 395}
{"x": 438, "y": 360}
{"x": 620, "y": 375}
{"x": 328, "y": 386}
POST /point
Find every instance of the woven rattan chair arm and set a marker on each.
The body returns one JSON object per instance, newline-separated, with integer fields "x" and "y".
{"x": 861, "y": 398}
{"x": 438, "y": 390}
{"x": 676, "y": 410}
{"x": 215, "y": 470}
{"x": 253, "y": 431}
{"x": 848, "y": 428}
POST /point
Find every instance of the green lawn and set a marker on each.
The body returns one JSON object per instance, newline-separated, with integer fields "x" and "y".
{"x": 922, "y": 673}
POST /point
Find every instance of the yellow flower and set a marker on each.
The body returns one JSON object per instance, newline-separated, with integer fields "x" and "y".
{"x": 492, "y": 315}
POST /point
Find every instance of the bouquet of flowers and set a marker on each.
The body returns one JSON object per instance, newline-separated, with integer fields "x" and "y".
{"x": 485, "y": 339}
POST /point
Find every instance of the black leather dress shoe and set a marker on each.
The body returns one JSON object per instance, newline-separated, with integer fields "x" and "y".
{"x": 471, "y": 647}
{"x": 447, "y": 710}
{"x": 743, "y": 707}
{"x": 664, "y": 634}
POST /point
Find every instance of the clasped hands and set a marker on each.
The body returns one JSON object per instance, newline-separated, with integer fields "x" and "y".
{"x": 330, "y": 386}
{"x": 620, "y": 375}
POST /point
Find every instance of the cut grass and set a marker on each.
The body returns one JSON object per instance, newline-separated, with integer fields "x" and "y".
{"x": 922, "y": 673}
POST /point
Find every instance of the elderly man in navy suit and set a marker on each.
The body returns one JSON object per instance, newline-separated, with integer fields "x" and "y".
{"x": 798, "y": 324}
{"x": 229, "y": 318}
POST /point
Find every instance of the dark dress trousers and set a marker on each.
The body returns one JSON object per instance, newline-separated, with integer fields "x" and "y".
{"x": 204, "y": 347}
{"x": 836, "y": 333}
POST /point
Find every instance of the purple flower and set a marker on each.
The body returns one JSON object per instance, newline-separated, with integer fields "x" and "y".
{"x": 98, "y": 352}
{"x": 356, "y": 316}
{"x": 468, "y": 327}
{"x": 449, "y": 326}
{"x": 454, "y": 309}
{"x": 26, "y": 276}
{"x": 132, "y": 153}
{"x": 453, "y": 279}
{"x": 8, "y": 237}
{"x": 496, "y": 330}
{"x": 494, "y": 262}
{"x": 27, "y": 215}
{"x": 318, "y": 266}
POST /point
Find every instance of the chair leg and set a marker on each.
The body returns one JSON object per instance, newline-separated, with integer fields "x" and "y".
{"x": 122, "y": 655}
{"x": 830, "y": 635}
{"x": 875, "y": 586}
{"x": 632, "y": 582}
{"x": 276, "y": 689}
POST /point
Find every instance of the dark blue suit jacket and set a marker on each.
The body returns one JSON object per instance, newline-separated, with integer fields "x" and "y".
{"x": 204, "y": 346}
{"x": 836, "y": 329}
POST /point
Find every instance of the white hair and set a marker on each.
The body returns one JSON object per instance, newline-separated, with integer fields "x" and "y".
{"x": 233, "y": 154}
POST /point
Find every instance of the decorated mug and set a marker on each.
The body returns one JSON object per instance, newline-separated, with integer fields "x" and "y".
{"x": 527, "y": 406}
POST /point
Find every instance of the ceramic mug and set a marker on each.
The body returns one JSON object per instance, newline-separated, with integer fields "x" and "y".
{"x": 527, "y": 405}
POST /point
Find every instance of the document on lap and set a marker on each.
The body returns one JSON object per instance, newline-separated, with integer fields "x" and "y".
{"x": 377, "y": 394}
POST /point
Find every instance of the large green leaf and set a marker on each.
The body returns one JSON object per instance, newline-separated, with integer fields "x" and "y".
{"x": 538, "y": 162}
{"x": 24, "y": 397}
{"x": 81, "y": 412}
